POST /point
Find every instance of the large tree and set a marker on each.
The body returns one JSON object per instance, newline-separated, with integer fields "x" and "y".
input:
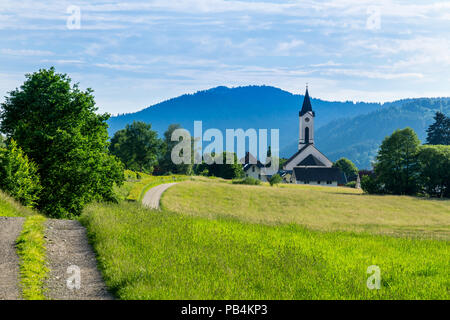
{"x": 396, "y": 163}
{"x": 348, "y": 167}
{"x": 56, "y": 125}
{"x": 439, "y": 132}
{"x": 166, "y": 164}
{"x": 434, "y": 164}
{"x": 137, "y": 146}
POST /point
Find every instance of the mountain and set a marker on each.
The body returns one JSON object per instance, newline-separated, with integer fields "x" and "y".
{"x": 339, "y": 128}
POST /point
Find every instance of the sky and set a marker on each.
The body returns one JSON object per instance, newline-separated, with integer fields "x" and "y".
{"x": 137, "y": 53}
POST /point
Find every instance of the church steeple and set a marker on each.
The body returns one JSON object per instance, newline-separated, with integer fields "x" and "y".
{"x": 306, "y": 104}
{"x": 306, "y": 126}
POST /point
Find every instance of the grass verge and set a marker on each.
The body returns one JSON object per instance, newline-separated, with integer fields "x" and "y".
{"x": 147, "y": 254}
{"x": 11, "y": 208}
{"x": 32, "y": 253}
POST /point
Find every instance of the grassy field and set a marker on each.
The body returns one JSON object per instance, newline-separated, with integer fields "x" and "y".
{"x": 317, "y": 208}
{"x": 146, "y": 254}
{"x": 11, "y": 208}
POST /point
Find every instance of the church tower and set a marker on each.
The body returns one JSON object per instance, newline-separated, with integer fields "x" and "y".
{"x": 306, "y": 122}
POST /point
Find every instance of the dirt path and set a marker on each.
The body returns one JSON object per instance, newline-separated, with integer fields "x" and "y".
{"x": 10, "y": 229}
{"x": 67, "y": 246}
{"x": 153, "y": 197}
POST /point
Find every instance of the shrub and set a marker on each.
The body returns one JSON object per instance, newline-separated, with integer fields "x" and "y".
{"x": 18, "y": 175}
{"x": 351, "y": 184}
{"x": 275, "y": 179}
{"x": 248, "y": 180}
{"x": 371, "y": 185}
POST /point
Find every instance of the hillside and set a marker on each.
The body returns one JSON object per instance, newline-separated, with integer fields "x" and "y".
{"x": 243, "y": 107}
{"x": 258, "y": 107}
{"x": 359, "y": 138}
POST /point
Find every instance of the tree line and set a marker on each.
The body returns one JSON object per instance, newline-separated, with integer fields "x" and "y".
{"x": 405, "y": 167}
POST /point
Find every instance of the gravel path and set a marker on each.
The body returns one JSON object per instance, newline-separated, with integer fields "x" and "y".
{"x": 67, "y": 245}
{"x": 10, "y": 229}
{"x": 153, "y": 196}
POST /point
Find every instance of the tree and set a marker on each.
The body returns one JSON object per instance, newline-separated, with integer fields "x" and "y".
{"x": 56, "y": 125}
{"x": 137, "y": 146}
{"x": 275, "y": 179}
{"x": 439, "y": 132}
{"x": 223, "y": 170}
{"x": 348, "y": 167}
{"x": 396, "y": 163}
{"x": 166, "y": 164}
{"x": 18, "y": 175}
{"x": 434, "y": 168}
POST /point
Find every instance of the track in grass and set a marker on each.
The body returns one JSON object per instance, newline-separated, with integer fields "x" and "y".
{"x": 67, "y": 246}
{"x": 9, "y": 261}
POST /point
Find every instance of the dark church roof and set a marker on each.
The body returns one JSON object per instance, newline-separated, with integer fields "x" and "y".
{"x": 320, "y": 174}
{"x": 306, "y": 105}
{"x": 311, "y": 161}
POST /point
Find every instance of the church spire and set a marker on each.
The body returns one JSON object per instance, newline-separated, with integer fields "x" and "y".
{"x": 306, "y": 103}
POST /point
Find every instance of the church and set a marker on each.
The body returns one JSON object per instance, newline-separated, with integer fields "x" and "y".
{"x": 308, "y": 165}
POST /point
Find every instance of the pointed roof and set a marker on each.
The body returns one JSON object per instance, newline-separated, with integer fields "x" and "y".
{"x": 306, "y": 104}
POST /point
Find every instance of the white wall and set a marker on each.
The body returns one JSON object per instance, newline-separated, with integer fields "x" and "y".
{"x": 250, "y": 173}
{"x": 322, "y": 183}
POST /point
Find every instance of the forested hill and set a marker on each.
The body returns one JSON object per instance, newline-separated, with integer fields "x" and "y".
{"x": 358, "y": 138}
{"x": 268, "y": 107}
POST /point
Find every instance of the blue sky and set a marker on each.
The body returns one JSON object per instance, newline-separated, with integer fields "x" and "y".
{"x": 136, "y": 53}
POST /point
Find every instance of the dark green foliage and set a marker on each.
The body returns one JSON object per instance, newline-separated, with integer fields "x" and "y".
{"x": 223, "y": 170}
{"x": 348, "y": 167}
{"x": 18, "y": 175}
{"x": 166, "y": 164}
{"x": 371, "y": 185}
{"x": 396, "y": 163}
{"x": 439, "y": 132}
{"x": 248, "y": 180}
{"x": 275, "y": 179}
{"x": 434, "y": 168}
{"x": 358, "y": 138}
{"x": 55, "y": 124}
{"x": 137, "y": 146}
{"x": 2, "y": 141}
{"x": 351, "y": 184}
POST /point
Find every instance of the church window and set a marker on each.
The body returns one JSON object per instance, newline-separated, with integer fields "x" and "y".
{"x": 307, "y": 135}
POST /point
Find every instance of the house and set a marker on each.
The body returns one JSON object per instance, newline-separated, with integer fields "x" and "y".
{"x": 253, "y": 168}
{"x": 308, "y": 165}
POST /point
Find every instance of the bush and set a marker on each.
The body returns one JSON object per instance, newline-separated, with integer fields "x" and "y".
{"x": 275, "y": 179}
{"x": 249, "y": 181}
{"x": 351, "y": 184}
{"x": 18, "y": 175}
{"x": 370, "y": 185}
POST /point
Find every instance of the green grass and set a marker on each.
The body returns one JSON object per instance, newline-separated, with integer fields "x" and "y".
{"x": 138, "y": 188}
{"x": 147, "y": 254}
{"x": 317, "y": 208}
{"x": 11, "y": 208}
{"x": 32, "y": 253}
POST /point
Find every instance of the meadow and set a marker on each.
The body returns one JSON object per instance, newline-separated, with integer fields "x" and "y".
{"x": 147, "y": 254}
{"x": 317, "y": 208}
